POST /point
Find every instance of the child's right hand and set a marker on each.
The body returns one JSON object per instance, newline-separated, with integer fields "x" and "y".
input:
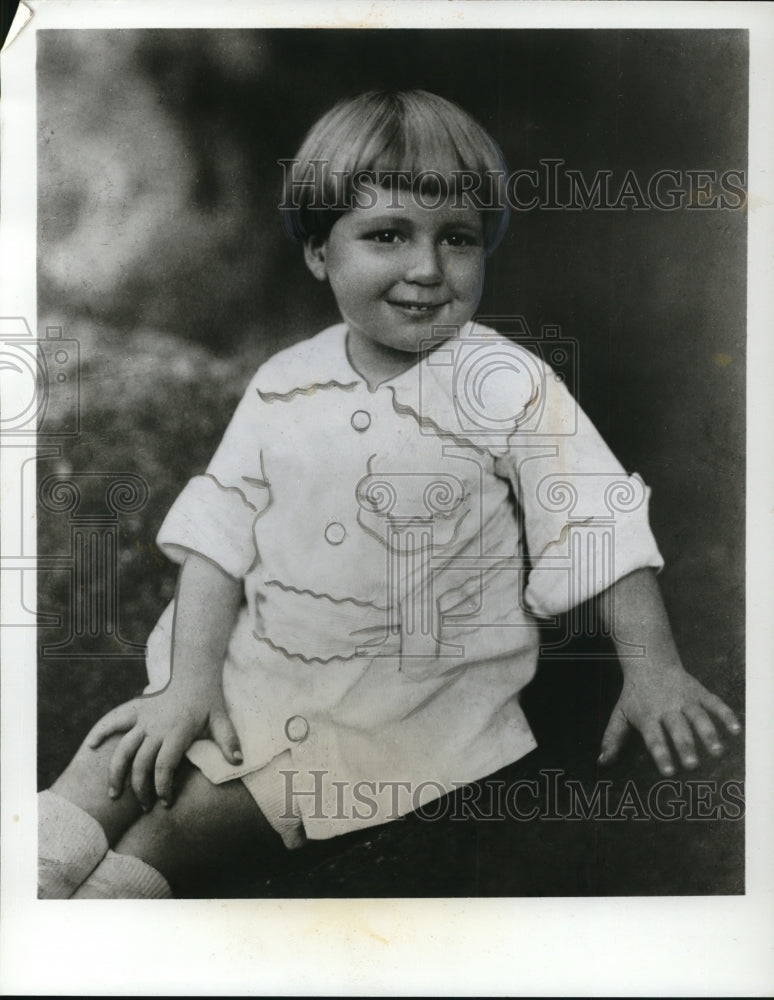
{"x": 158, "y": 729}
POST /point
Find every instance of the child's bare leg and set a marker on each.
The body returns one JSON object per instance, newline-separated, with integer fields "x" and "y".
{"x": 208, "y": 828}
{"x": 77, "y": 822}
{"x": 85, "y": 782}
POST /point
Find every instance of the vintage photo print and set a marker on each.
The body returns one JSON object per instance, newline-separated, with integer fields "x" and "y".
{"x": 385, "y": 463}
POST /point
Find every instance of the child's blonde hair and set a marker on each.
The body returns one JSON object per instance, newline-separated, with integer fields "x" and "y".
{"x": 429, "y": 140}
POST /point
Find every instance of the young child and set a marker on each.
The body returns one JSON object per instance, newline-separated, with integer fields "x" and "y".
{"x": 395, "y": 504}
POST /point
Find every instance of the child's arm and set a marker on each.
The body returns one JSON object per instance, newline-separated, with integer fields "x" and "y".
{"x": 159, "y": 728}
{"x": 659, "y": 697}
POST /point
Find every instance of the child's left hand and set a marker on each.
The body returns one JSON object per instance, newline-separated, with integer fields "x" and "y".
{"x": 667, "y": 701}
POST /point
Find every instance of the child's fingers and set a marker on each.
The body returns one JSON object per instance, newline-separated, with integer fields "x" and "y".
{"x": 614, "y": 736}
{"x": 142, "y": 771}
{"x": 119, "y": 762}
{"x": 681, "y": 735}
{"x": 658, "y": 749}
{"x": 719, "y": 708}
{"x": 705, "y": 727}
{"x": 169, "y": 756}
{"x": 223, "y": 733}
{"x": 119, "y": 720}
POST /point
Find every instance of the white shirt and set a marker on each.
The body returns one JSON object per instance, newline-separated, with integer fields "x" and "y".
{"x": 396, "y": 547}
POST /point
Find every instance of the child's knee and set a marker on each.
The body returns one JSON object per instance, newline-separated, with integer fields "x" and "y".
{"x": 88, "y": 769}
{"x": 177, "y": 841}
{"x": 152, "y": 838}
{"x": 85, "y": 782}
{"x": 207, "y": 829}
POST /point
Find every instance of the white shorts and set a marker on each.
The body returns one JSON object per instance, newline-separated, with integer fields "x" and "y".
{"x": 267, "y": 786}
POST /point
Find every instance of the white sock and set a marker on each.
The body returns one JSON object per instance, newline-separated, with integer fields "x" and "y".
{"x": 71, "y": 843}
{"x": 122, "y": 876}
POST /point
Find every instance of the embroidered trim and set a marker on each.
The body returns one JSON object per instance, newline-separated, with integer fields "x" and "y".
{"x": 300, "y": 656}
{"x": 309, "y": 390}
{"x": 327, "y": 597}
{"x": 404, "y": 410}
{"x": 263, "y": 484}
{"x": 232, "y": 489}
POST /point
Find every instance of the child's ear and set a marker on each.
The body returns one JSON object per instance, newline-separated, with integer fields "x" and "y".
{"x": 314, "y": 255}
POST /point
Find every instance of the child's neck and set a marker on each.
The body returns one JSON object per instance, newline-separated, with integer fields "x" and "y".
{"x": 377, "y": 363}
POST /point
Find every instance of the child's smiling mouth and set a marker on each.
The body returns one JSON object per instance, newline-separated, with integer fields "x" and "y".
{"x": 416, "y": 307}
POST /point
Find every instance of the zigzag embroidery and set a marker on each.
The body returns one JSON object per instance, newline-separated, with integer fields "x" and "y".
{"x": 326, "y": 597}
{"x": 309, "y": 390}
{"x": 403, "y": 410}
{"x": 231, "y": 489}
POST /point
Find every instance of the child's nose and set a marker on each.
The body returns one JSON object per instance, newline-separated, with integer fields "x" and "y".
{"x": 424, "y": 265}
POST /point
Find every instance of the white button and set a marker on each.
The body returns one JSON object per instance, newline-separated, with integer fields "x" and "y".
{"x": 335, "y": 533}
{"x": 361, "y": 420}
{"x": 297, "y": 729}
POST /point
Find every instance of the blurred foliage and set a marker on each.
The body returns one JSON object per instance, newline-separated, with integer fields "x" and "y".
{"x": 155, "y": 406}
{"x": 159, "y": 180}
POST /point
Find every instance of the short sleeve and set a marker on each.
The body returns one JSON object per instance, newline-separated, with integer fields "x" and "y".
{"x": 216, "y": 511}
{"x": 585, "y": 519}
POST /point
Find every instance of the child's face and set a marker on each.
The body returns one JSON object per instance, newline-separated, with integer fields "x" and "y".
{"x": 397, "y": 269}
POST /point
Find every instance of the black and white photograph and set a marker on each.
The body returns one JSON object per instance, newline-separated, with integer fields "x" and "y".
{"x": 380, "y": 450}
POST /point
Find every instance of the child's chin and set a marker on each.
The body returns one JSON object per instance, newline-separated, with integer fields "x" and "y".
{"x": 421, "y": 345}
{"x": 424, "y": 337}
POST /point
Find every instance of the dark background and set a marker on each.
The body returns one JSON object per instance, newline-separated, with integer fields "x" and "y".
{"x": 162, "y": 253}
{"x": 7, "y": 12}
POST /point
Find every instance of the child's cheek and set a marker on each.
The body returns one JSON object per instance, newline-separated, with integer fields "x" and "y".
{"x": 473, "y": 281}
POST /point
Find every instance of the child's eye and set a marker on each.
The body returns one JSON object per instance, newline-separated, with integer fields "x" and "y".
{"x": 385, "y": 236}
{"x": 461, "y": 240}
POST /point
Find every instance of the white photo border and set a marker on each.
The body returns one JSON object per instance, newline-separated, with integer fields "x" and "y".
{"x": 591, "y": 946}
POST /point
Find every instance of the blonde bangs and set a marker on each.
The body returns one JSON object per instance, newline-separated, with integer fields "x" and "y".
{"x": 407, "y": 135}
